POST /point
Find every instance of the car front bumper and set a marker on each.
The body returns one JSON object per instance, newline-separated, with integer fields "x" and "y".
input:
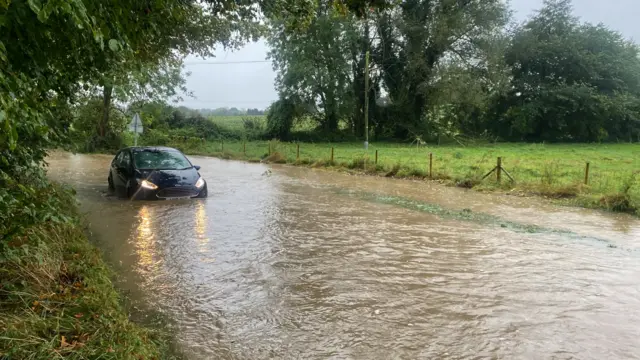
{"x": 168, "y": 193}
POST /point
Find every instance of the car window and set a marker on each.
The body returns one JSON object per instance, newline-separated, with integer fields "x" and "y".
{"x": 118, "y": 159}
{"x": 126, "y": 160}
{"x": 160, "y": 159}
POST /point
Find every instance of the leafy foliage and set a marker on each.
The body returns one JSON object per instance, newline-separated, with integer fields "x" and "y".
{"x": 445, "y": 68}
{"x": 422, "y": 34}
{"x": 280, "y": 118}
{"x": 313, "y": 66}
{"x": 570, "y": 81}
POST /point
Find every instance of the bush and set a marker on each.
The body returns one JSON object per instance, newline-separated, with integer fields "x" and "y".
{"x": 251, "y": 123}
{"x": 357, "y": 163}
{"x": 253, "y": 127}
{"x": 154, "y": 137}
{"x": 280, "y": 119}
{"x": 618, "y": 203}
{"x": 276, "y": 158}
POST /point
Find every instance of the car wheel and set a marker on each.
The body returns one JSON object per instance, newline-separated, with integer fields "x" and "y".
{"x": 130, "y": 191}
{"x": 110, "y": 182}
{"x": 203, "y": 193}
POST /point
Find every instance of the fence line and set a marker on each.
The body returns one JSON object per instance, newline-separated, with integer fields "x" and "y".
{"x": 602, "y": 181}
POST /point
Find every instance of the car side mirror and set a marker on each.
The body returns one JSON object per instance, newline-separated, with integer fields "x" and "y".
{"x": 197, "y": 167}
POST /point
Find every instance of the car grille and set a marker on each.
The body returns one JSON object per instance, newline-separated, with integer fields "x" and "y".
{"x": 176, "y": 192}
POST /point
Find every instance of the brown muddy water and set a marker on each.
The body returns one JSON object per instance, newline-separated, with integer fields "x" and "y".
{"x": 294, "y": 263}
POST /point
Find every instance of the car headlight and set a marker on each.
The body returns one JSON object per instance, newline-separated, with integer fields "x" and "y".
{"x": 148, "y": 185}
{"x": 200, "y": 182}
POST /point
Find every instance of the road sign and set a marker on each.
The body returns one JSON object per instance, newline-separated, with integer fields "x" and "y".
{"x": 136, "y": 124}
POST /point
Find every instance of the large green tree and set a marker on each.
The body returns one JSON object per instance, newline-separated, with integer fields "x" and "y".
{"x": 570, "y": 81}
{"x": 463, "y": 90}
{"x": 313, "y": 66}
{"x": 415, "y": 38}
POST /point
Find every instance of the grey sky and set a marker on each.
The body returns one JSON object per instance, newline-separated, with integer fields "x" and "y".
{"x": 250, "y": 85}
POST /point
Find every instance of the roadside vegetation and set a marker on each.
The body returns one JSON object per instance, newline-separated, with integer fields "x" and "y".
{"x": 64, "y": 69}
{"x": 455, "y": 77}
{"x": 56, "y": 295}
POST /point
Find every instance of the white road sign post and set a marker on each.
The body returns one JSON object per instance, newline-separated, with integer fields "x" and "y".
{"x": 135, "y": 126}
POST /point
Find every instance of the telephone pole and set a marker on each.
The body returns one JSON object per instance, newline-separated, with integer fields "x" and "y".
{"x": 366, "y": 100}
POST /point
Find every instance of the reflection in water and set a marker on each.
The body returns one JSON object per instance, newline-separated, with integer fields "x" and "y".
{"x": 302, "y": 271}
{"x": 201, "y": 227}
{"x": 145, "y": 239}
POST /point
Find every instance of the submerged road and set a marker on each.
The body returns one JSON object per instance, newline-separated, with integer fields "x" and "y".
{"x": 295, "y": 263}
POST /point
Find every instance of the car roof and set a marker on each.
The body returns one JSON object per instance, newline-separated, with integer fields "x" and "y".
{"x": 154, "y": 148}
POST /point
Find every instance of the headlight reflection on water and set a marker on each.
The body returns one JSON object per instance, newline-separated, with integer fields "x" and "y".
{"x": 152, "y": 230}
{"x": 201, "y": 227}
{"x": 145, "y": 240}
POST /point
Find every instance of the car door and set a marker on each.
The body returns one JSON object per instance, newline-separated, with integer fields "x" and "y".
{"x": 123, "y": 171}
{"x": 116, "y": 164}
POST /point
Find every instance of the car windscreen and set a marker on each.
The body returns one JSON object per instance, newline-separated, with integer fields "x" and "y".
{"x": 160, "y": 160}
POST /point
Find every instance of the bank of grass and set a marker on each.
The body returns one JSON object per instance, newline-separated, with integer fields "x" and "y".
{"x": 553, "y": 171}
{"x": 57, "y": 299}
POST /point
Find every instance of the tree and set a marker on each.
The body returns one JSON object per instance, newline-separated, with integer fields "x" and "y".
{"x": 255, "y": 112}
{"x": 569, "y": 81}
{"x": 462, "y": 91}
{"x": 281, "y": 116}
{"x": 414, "y": 39}
{"x": 313, "y": 66}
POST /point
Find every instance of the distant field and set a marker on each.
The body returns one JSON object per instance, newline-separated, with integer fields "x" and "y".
{"x": 235, "y": 123}
{"x": 556, "y": 171}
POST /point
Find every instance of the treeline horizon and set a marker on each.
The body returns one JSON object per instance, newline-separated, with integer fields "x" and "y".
{"x": 454, "y": 69}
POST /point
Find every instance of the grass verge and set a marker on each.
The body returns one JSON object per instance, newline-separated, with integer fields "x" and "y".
{"x": 57, "y": 299}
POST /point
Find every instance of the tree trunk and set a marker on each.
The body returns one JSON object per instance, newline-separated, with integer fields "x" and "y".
{"x": 106, "y": 106}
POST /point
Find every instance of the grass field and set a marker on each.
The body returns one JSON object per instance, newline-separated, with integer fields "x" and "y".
{"x": 235, "y": 123}
{"x": 554, "y": 171}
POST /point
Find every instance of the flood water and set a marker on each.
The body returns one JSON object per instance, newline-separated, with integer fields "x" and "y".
{"x": 294, "y": 263}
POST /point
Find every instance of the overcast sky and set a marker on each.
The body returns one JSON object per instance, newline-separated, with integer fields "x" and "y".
{"x": 250, "y": 85}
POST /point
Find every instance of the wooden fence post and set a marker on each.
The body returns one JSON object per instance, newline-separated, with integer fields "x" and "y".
{"x": 332, "y": 154}
{"x": 298, "y": 152}
{"x": 376, "y": 157}
{"x": 499, "y": 169}
{"x": 586, "y": 174}
{"x": 244, "y": 148}
{"x": 430, "y": 165}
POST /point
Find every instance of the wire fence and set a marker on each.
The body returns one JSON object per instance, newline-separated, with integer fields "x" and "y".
{"x": 600, "y": 175}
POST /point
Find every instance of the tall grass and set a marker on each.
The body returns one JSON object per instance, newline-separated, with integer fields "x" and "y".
{"x": 57, "y": 299}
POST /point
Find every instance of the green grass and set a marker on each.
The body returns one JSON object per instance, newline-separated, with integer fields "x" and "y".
{"x": 234, "y": 123}
{"x": 57, "y": 299}
{"x": 554, "y": 171}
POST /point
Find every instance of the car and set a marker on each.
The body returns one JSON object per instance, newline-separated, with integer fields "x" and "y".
{"x": 155, "y": 172}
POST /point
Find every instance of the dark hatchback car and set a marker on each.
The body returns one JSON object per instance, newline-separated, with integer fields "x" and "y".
{"x": 155, "y": 173}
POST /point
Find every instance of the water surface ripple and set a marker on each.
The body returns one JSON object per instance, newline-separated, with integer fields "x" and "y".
{"x": 303, "y": 264}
